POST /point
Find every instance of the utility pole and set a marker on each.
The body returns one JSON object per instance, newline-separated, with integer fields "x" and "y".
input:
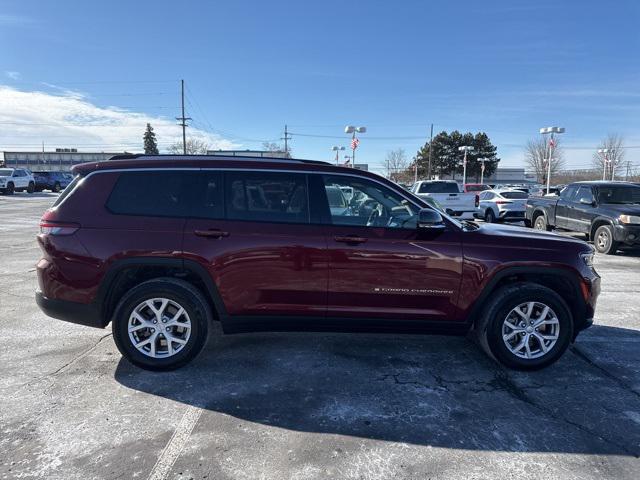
{"x": 286, "y": 139}
{"x": 183, "y": 121}
{"x": 430, "y": 148}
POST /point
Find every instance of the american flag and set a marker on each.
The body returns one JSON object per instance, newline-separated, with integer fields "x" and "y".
{"x": 354, "y": 143}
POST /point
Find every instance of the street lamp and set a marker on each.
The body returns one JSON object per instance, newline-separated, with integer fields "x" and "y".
{"x": 552, "y": 144}
{"x": 337, "y": 149}
{"x": 465, "y": 149}
{"x": 605, "y": 159}
{"x": 354, "y": 141}
{"x": 482, "y": 160}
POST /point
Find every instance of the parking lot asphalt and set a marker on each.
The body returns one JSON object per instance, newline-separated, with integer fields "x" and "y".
{"x": 310, "y": 406}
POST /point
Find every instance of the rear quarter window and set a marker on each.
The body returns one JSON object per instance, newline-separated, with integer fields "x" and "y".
{"x": 157, "y": 194}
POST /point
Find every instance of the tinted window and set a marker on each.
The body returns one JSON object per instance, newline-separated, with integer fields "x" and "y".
{"x": 157, "y": 194}
{"x": 208, "y": 199}
{"x": 267, "y": 197}
{"x": 620, "y": 194}
{"x": 439, "y": 187}
{"x": 372, "y": 205}
{"x": 477, "y": 188}
{"x": 515, "y": 195}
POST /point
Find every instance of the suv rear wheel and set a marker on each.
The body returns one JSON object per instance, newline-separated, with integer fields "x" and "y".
{"x": 161, "y": 324}
{"x": 489, "y": 216}
{"x": 525, "y": 326}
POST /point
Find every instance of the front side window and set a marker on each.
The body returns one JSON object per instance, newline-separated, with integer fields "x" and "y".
{"x": 267, "y": 197}
{"x": 568, "y": 193}
{"x": 370, "y": 205}
{"x": 156, "y": 194}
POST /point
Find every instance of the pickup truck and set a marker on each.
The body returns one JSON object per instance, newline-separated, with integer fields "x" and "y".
{"x": 448, "y": 194}
{"x": 607, "y": 212}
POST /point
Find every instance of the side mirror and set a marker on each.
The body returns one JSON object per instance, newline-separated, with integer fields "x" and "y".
{"x": 430, "y": 221}
{"x": 587, "y": 201}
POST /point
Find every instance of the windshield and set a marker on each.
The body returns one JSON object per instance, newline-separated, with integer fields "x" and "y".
{"x": 6, "y": 172}
{"x": 619, "y": 194}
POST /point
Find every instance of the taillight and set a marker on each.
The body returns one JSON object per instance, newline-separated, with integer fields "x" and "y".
{"x": 502, "y": 202}
{"x": 477, "y": 200}
{"x": 55, "y": 228}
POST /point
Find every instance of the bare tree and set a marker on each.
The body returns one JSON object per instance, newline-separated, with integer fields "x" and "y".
{"x": 536, "y": 153}
{"x": 274, "y": 147}
{"x": 396, "y": 164}
{"x": 614, "y": 144}
{"x": 195, "y": 146}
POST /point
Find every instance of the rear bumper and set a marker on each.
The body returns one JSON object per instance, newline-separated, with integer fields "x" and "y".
{"x": 515, "y": 215}
{"x": 80, "y": 313}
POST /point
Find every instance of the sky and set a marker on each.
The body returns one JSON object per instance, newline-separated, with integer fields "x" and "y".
{"x": 90, "y": 75}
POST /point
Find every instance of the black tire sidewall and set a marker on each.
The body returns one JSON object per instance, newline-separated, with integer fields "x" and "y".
{"x": 56, "y": 187}
{"x": 31, "y": 188}
{"x": 490, "y": 216}
{"x": 195, "y": 307}
{"x": 504, "y": 303}
{"x": 611, "y": 247}
{"x": 10, "y": 189}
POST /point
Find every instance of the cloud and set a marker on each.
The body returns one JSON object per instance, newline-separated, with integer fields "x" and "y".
{"x": 12, "y": 75}
{"x": 27, "y": 118}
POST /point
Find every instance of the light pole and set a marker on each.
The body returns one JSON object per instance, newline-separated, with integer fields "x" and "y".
{"x": 465, "y": 149}
{"x": 603, "y": 153}
{"x": 354, "y": 141}
{"x": 552, "y": 144}
{"x": 482, "y": 160}
{"x": 337, "y": 149}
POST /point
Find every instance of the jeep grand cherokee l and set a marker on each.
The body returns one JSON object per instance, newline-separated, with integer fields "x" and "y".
{"x": 172, "y": 249}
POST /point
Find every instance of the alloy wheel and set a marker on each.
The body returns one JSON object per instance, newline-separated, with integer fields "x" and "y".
{"x": 159, "y": 327}
{"x": 540, "y": 224}
{"x": 530, "y": 330}
{"x": 603, "y": 240}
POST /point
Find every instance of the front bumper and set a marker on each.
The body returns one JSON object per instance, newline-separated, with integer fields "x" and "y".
{"x": 627, "y": 234}
{"x": 80, "y": 313}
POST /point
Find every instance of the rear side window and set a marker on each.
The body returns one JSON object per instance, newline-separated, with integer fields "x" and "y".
{"x": 439, "y": 187}
{"x": 155, "y": 194}
{"x": 267, "y": 197}
{"x": 67, "y": 191}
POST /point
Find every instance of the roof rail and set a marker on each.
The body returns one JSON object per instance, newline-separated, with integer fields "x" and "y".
{"x": 131, "y": 156}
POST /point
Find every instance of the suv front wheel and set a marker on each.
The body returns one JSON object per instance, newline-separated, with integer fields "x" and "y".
{"x": 161, "y": 324}
{"x": 525, "y": 326}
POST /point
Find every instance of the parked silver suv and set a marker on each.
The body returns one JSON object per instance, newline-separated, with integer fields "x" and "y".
{"x": 501, "y": 205}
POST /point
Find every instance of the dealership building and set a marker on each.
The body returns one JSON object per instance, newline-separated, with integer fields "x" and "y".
{"x": 59, "y": 161}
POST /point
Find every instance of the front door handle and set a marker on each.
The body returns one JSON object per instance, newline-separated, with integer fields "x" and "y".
{"x": 211, "y": 233}
{"x": 349, "y": 239}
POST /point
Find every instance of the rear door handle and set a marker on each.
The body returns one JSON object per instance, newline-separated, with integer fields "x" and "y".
{"x": 349, "y": 239}
{"x": 211, "y": 233}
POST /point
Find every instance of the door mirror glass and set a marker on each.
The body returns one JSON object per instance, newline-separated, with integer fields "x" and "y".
{"x": 587, "y": 201}
{"x": 430, "y": 220}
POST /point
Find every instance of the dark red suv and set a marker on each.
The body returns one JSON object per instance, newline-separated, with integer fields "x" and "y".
{"x": 170, "y": 249}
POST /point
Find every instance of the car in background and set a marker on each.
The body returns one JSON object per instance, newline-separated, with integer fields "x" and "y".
{"x": 501, "y": 205}
{"x": 447, "y": 192}
{"x": 16, "y": 180}
{"x": 476, "y": 187}
{"x": 54, "y": 181}
{"x": 607, "y": 212}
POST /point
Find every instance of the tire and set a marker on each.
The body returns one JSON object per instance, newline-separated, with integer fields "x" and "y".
{"x": 489, "y": 216}
{"x": 604, "y": 241}
{"x": 492, "y": 325}
{"x": 56, "y": 188}
{"x": 31, "y": 188}
{"x": 10, "y": 190}
{"x": 154, "y": 355}
{"x": 540, "y": 223}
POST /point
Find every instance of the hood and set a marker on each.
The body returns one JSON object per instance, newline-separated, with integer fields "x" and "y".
{"x": 509, "y": 236}
{"x": 3, "y": 177}
{"x": 622, "y": 209}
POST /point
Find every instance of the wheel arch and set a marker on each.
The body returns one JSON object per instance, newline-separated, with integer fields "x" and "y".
{"x": 125, "y": 273}
{"x": 563, "y": 281}
{"x": 597, "y": 223}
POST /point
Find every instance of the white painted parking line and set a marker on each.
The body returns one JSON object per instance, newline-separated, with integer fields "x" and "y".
{"x": 174, "y": 448}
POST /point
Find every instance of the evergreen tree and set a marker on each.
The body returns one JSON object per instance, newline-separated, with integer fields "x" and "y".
{"x": 150, "y": 142}
{"x": 447, "y": 160}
